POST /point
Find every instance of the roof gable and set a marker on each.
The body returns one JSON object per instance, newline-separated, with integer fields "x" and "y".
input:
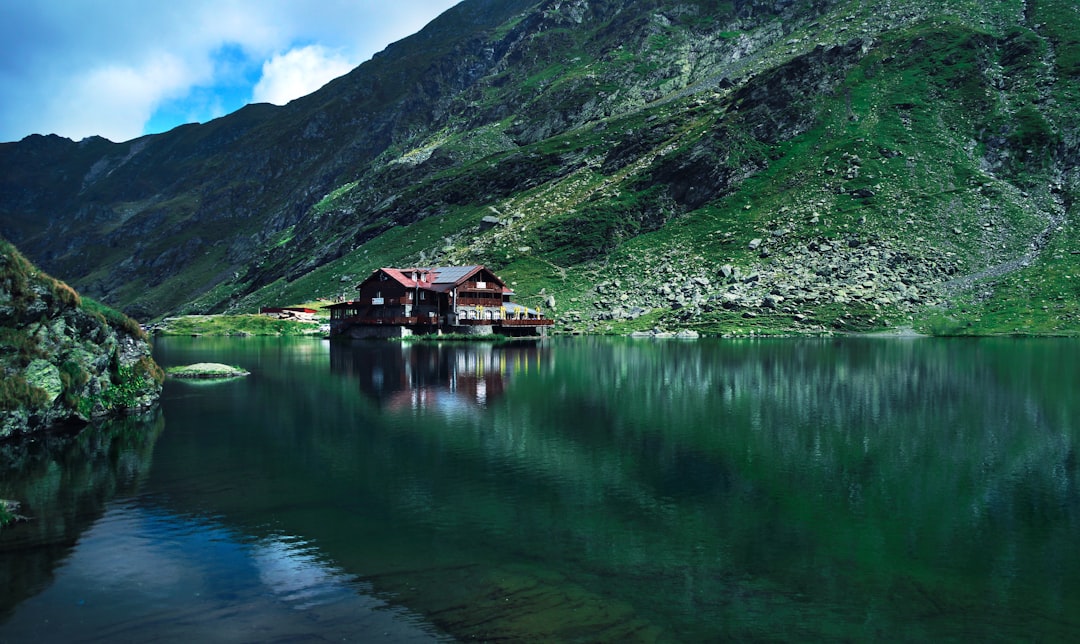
{"x": 440, "y": 278}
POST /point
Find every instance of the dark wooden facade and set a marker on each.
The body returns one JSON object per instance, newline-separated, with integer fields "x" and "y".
{"x": 462, "y": 299}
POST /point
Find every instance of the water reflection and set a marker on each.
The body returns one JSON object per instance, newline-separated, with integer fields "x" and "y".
{"x": 142, "y": 574}
{"x": 600, "y": 489}
{"x": 450, "y": 377}
{"x": 777, "y": 473}
{"x": 64, "y": 482}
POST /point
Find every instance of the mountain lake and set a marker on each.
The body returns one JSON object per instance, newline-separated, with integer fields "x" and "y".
{"x": 568, "y": 489}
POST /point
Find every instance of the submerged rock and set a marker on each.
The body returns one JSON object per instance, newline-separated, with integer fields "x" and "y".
{"x": 9, "y": 512}
{"x": 206, "y": 370}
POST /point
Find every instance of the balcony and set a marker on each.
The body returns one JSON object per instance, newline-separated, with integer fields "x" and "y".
{"x": 470, "y": 302}
{"x": 394, "y": 321}
{"x": 486, "y": 287}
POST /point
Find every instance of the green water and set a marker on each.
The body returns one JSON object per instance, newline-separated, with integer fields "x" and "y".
{"x": 577, "y": 489}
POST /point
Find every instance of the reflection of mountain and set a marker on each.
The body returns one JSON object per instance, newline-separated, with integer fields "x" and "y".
{"x": 64, "y": 483}
{"x": 851, "y": 487}
{"x": 432, "y": 376}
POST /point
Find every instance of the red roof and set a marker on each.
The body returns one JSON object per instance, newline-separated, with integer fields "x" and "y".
{"x": 440, "y": 279}
{"x": 282, "y": 309}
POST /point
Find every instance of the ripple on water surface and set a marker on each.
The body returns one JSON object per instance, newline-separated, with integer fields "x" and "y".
{"x": 144, "y": 573}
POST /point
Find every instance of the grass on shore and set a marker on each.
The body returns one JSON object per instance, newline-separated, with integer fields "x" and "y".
{"x": 242, "y": 325}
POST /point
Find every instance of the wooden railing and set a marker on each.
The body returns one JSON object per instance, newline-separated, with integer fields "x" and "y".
{"x": 502, "y": 322}
{"x": 479, "y": 301}
{"x": 537, "y": 322}
{"x": 398, "y": 321}
{"x": 433, "y": 321}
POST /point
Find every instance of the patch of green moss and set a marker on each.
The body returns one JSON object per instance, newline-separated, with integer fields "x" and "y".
{"x": 130, "y": 385}
{"x": 74, "y": 378}
{"x": 331, "y": 200}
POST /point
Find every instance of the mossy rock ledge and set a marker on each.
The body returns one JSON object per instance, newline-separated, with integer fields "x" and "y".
{"x": 205, "y": 370}
{"x": 65, "y": 360}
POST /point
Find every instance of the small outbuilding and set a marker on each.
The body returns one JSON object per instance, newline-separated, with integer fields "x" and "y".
{"x": 289, "y": 312}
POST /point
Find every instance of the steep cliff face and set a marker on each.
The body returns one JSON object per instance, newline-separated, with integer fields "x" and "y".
{"x": 65, "y": 360}
{"x": 819, "y": 164}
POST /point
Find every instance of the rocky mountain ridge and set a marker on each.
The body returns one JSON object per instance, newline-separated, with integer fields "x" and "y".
{"x": 811, "y": 166}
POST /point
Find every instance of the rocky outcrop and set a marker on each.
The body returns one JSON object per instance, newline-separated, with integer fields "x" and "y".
{"x": 860, "y": 273}
{"x": 65, "y": 360}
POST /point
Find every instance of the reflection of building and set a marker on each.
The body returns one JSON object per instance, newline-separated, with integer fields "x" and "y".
{"x": 428, "y": 375}
{"x": 461, "y": 299}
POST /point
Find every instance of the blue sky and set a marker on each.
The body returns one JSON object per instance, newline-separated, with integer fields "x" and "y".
{"x": 124, "y": 68}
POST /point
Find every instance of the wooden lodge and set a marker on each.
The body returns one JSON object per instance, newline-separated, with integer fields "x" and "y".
{"x": 395, "y": 302}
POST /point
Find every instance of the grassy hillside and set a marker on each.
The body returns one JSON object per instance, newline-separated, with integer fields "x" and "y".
{"x": 729, "y": 167}
{"x": 941, "y": 146}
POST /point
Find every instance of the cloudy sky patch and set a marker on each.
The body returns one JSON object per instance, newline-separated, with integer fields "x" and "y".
{"x": 299, "y": 72}
{"x": 124, "y": 68}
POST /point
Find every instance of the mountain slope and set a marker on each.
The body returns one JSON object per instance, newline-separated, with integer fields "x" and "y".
{"x": 730, "y": 166}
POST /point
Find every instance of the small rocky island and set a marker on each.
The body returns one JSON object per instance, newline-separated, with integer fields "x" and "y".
{"x": 207, "y": 370}
{"x": 65, "y": 359}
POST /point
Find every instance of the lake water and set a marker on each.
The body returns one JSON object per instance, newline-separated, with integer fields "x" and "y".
{"x": 573, "y": 489}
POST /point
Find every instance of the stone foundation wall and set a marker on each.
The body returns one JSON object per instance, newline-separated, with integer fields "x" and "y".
{"x": 479, "y": 329}
{"x": 366, "y": 332}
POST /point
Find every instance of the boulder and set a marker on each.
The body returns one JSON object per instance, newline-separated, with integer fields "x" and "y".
{"x": 207, "y": 370}
{"x": 772, "y": 301}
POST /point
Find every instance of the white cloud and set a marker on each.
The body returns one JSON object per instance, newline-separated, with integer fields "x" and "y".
{"x": 83, "y": 67}
{"x": 298, "y": 72}
{"x": 116, "y": 101}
